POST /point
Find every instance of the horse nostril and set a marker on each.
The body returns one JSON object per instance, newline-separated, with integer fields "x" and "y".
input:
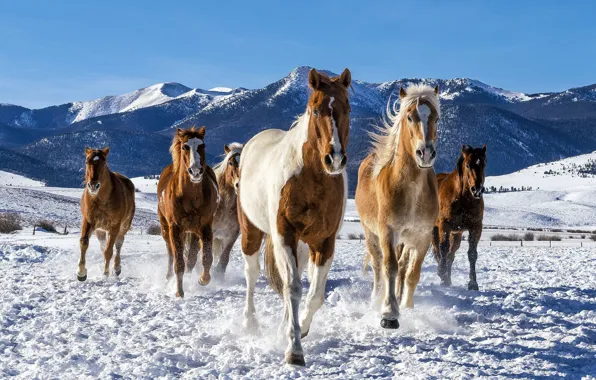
{"x": 344, "y": 160}
{"x": 201, "y": 170}
{"x": 474, "y": 189}
{"x": 433, "y": 154}
{"x": 419, "y": 153}
{"x": 190, "y": 171}
{"x": 328, "y": 159}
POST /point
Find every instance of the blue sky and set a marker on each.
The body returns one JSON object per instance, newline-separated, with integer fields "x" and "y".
{"x": 60, "y": 51}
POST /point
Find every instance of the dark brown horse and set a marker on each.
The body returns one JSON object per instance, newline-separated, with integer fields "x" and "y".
{"x": 461, "y": 208}
{"x": 108, "y": 206}
{"x": 187, "y": 197}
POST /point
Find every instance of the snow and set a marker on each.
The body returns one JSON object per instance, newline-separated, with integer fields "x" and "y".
{"x": 539, "y": 324}
{"x": 11, "y": 179}
{"x": 221, "y": 89}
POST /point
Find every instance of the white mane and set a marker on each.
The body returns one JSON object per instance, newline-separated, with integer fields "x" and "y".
{"x": 220, "y": 168}
{"x": 386, "y": 140}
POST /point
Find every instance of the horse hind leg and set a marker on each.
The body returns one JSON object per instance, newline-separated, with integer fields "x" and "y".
{"x": 454, "y": 243}
{"x": 412, "y": 277}
{"x": 117, "y": 263}
{"x": 102, "y": 236}
{"x": 373, "y": 256}
{"x": 403, "y": 259}
{"x": 474, "y": 238}
{"x": 109, "y": 251}
{"x": 192, "y": 251}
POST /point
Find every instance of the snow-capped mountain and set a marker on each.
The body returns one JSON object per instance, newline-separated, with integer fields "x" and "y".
{"x": 520, "y": 129}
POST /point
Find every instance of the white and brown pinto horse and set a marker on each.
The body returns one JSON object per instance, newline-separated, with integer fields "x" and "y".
{"x": 293, "y": 188}
{"x": 397, "y": 200}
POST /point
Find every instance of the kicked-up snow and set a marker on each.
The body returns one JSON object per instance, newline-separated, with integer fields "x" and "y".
{"x": 534, "y": 316}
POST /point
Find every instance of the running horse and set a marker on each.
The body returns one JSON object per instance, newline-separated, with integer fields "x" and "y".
{"x": 187, "y": 195}
{"x": 293, "y": 188}
{"x": 396, "y": 198}
{"x": 108, "y": 207}
{"x": 461, "y": 208}
{"x": 226, "y": 228}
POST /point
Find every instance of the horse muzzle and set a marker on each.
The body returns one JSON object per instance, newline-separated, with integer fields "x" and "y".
{"x": 425, "y": 156}
{"x": 334, "y": 164}
{"x": 195, "y": 174}
{"x": 93, "y": 187}
{"x": 477, "y": 191}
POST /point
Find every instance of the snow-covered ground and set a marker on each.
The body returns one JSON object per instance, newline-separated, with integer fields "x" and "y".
{"x": 535, "y": 316}
{"x": 11, "y": 179}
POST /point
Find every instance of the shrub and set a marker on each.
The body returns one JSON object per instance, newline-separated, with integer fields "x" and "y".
{"x": 46, "y": 225}
{"x": 352, "y": 236}
{"x": 593, "y": 237}
{"x": 583, "y": 236}
{"x": 503, "y": 237}
{"x": 528, "y": 236}
{"x": 549, "y": 238}
{"x": 9, "y": 223}
{"x": 154, "y": 229}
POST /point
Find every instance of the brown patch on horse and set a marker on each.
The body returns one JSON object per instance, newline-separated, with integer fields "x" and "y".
{"x": 107, "y": 205}
{"x": 187, "y": 196}
{"x": 461, "y": 209}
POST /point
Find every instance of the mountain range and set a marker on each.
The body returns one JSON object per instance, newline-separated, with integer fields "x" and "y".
{"x": 519, "y": 129}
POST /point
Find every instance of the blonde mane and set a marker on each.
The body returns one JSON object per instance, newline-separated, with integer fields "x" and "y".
{"x": 385, "y": 142}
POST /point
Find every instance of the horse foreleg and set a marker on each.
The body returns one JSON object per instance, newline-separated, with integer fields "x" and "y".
{"x": 444, "y": 235}
{"x": 192, "y": 251}
{"x": 109, "y": 251}
{"x": 473, "y": 255}
{"x": 416, "y": 258}
{"x": 321, "y": 259}
{"x": 285, "y": 250}
{"x": 84, "y": 245}
{"x": 390, "y": 307}
{"x": 207, "y": 258}
{"x": 119, "y": 243}
{"x": 177, "y": 248}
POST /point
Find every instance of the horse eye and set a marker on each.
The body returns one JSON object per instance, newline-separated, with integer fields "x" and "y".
{"x": 186, "y": 147}
{"x": 316, "y": 112}
{"x": 230, "y": 163}
{"x": 468, "y": 166}
{"x": 409, "y": 118}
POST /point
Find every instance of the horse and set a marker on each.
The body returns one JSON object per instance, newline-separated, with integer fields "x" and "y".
{"x": 461, "y": 208}
{"x": 187, "y": 195}
{"x": 396, "y": 198}
{"x": 107, "y": 207}
{"x": 293, "y": 188}
{"x": 226, "y": 228}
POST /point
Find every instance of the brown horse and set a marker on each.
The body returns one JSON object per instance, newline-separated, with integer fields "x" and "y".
{"x": 396, "y": 198}
{"x": 187, "y": 195}
{"x": 293, "y": 188}
{"x": 461, "y": 208}
{"x": 108, "y": 206}
{"x": 226, "y": 228}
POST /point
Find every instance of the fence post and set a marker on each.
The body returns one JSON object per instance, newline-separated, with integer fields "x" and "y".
{"x": 550, "y": 243}
{"x": 521, "y": 243}
{"x": 34, "y": 229}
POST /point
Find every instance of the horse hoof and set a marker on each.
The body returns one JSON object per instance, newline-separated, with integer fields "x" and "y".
{"x": 81, "y": 278}
{"x": 295, "y": 359}
{"x": 118, "y": 271}
{"x": 180, "y": 294}
{"x": 205, "y": 279}
{"x": 304, "y": 334}
{"x": 473, "y": 286}
{"x": 389, "y": 323}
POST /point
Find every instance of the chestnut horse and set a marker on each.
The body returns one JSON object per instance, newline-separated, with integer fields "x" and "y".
{"x": 108, "y": 206}
{"x": 461, "y": 208}
{"x": 187, "y": 195}
{"x": 225, "y": 222}
{"x": 293, "y": 188}
{"x": 396, "y": 198}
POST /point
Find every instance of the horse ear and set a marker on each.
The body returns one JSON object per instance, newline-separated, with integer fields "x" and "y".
{"x": 88, "y": 150}
{"x": 402, "y": 93}
{"x": 346, "y": 78}
{"x": 106, "y": 150}
{"x": 484, "y": 148}
{"x": 202, "y": 131}
{"x": 179, "y": 131}
{"x": 314, "y": 79}
{"x": 227, "y": 149}
{"x": 466, "y": 149}
{"x": 437, "y": 90}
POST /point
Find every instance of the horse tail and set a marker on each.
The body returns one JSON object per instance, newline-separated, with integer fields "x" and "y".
{"x": 271, "y": 270}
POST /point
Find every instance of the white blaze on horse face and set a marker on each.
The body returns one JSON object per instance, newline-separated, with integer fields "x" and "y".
{"x": 335, "y": 141}
{"x": 423, "y": 114}
{"x": 195, "y": 158}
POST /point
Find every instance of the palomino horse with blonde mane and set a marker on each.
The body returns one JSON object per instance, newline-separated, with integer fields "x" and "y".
{"x": 225, "y": 222}
{"x": 397, "y": 200}
{"x": 293, "y": 188}
{"x": 187, "y": 197}
{"x": 108, "y": 206}
{"x": 461, "y": 208}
